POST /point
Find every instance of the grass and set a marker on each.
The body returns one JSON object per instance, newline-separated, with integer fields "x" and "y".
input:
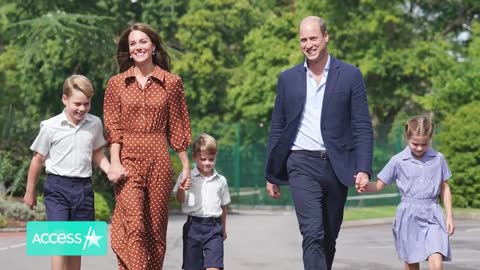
{"x": 360, "y": 213}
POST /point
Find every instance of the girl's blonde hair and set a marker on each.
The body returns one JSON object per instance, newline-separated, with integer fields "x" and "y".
{"x": 419, "y": 126}
{"x": 206, "y": 144}
{"x": 80, "y": 83}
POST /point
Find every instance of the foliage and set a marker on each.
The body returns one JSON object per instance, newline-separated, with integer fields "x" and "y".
{"x": 458, "y": 84}
{"x": 270, "y": 48}
{"x": 102, "y": 210}
{"x": 13, "y": 209}
{"x": 460, "y": 145}
{"x": 3, "y": 221}
{"x": 52, "y": 47}
{"x": 416, "y": 56}
{"x": 163, "y": 16}
{"x": 103, "y": 186}
{"x": 382, "y": 153}
{"x": 174, "y": 205}
{"x": 54, "y": 44}
{"x": 211, "y": 34}
{"x": 13, "y": 172}
{"x": 7, "y": 169}
{"x": 18, "y": 211}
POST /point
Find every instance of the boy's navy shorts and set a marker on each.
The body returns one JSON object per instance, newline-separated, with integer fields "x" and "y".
{"x": 202, "y": 243}
{"x": 68, "y": 198}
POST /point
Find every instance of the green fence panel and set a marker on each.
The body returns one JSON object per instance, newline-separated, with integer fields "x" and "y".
{"x": 242, "y": 154}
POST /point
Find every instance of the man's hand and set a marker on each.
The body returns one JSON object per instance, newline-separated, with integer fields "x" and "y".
{"x": 273, "y": 190}
{"x": 361, "y": 182}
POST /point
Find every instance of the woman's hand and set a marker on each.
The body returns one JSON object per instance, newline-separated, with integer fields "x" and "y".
{"x": 116, "y": 172}
{"x": 186, "y": 177}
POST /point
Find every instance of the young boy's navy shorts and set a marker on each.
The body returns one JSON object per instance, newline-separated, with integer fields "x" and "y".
{"x": 202, "y": 243}
{"x": 68, "y": 198}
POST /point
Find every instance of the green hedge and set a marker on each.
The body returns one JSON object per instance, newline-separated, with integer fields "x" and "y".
{"x": 102, "y": 210}
{"x": 460, "y": 143}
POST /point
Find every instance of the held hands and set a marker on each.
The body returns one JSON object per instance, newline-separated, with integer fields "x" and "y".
{"x": 273, "y": 190}
{"x": 186, "y": 180}
{"x": 116, "y": 172}
{"x": 186, "y": 174}
{"x": 185, "y": 184}
{"x": 361, "y": 182}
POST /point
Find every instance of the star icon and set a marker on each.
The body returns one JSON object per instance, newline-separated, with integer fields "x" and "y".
{"x": 92, "y": 239}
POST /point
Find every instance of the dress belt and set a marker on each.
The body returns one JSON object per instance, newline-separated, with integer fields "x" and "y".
{"x": 419, "y": 200}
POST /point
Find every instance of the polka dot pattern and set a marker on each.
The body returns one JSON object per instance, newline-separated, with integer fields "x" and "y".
{"x": 144, "y": 121}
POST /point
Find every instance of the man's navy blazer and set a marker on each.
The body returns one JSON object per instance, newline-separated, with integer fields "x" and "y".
{"x": 345, "y": 123}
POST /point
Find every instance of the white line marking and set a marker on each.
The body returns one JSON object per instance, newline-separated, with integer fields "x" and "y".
{"x": 18, "y": 245}
{"x": 13, "y": 246}
{"x": 376, "y": 196}
{"x": 472, "y": 230}
{"x": 359, "y": 197}
{"x": 246, "y": 193}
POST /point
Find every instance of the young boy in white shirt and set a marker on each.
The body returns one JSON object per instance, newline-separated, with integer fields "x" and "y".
{"x": 67, "y": 143}
{"x": 204, "y": 199}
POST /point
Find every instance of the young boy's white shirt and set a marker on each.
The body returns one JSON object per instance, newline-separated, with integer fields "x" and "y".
{"x": 68, "y": 148}
{"x": 206, "y": 195}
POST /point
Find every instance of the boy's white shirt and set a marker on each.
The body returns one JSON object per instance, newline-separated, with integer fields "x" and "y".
{"x": 206, "y": 195}
{"x": 67, "y": 148}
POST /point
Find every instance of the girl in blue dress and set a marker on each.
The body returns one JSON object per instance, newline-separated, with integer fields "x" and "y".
{"x": 420, "y": 229}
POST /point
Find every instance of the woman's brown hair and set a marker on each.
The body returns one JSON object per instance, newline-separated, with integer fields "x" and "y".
{"x": 160, "y": 56}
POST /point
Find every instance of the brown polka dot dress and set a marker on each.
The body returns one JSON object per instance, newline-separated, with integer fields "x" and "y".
{"x": 144, "y": 122}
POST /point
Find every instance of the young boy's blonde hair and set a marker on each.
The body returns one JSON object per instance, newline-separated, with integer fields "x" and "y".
{"x": 80, "y": 83}
{"x": 204, "y": 144}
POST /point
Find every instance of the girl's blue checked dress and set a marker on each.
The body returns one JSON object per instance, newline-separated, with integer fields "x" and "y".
{"x": 419, "y": 228}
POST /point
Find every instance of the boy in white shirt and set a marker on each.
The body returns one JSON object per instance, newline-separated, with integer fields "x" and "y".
{"x": 204, "y": 199}
{"x": 67, "y": 143}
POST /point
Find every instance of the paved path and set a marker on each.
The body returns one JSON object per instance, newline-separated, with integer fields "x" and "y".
{"x": 262, "y": 240}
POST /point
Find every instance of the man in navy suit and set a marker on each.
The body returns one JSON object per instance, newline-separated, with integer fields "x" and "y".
{"x": 321, "y": 140}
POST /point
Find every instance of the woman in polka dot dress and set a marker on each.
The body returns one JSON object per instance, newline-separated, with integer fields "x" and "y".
{"x": 145, "y": 111}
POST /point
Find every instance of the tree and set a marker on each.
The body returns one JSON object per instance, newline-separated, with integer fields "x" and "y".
{"x": 458, "y": 84}
{"x": 270, "y": 49}
{"x": 42, "y": 44}
{"x": 163, "y": 16}
{"x": 459, "y": 143}
{"x": 211, "y": 35}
